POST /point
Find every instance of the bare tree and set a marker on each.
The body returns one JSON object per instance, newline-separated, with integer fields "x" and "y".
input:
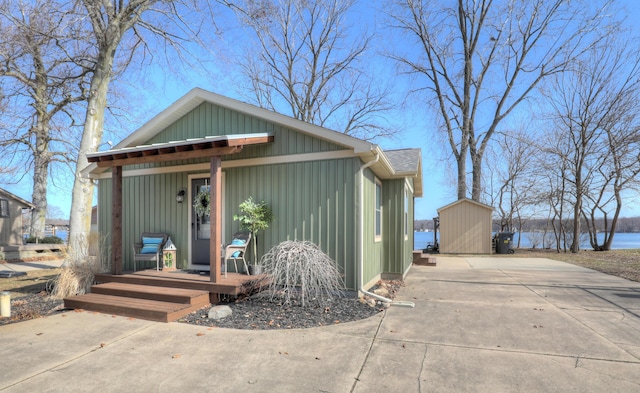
{"x": 481, "y": 59}
{"x": 619, "y": 169}
{"x": 41, "y": 63}
{"x": 310, "y": 62}
{"x": 126, "y": 26}
{"x": 512, "y": 179}
{"x": 551, "y": 193}
{"x": 595, "y": 106}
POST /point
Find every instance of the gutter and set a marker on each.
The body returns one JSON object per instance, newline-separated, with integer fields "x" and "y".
{"x": 361, "y": 239}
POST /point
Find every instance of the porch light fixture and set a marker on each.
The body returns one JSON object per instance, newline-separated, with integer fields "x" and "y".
{"x": 180, "y": 195}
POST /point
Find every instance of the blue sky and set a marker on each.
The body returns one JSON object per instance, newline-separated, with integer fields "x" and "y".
{"x": 162, "y": 87}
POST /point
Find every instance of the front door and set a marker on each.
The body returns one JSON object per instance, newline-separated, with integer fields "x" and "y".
{"x": 200, "y": 229}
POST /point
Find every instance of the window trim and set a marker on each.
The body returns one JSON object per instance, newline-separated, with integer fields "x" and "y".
{"x": 4, "y": 202}
{"x": 377, "y": 211}
{"x": 406, "y": 213}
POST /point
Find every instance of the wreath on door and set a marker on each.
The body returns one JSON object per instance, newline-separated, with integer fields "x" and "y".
{"x": 202, "y": 203}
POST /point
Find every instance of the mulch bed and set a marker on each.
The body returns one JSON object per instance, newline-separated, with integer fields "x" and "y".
{"x": 260, "y": 312}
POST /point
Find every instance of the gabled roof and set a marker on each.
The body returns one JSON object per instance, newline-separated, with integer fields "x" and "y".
{"x": 16, "y": 198}
{"x": 465, "y": 200}
{"x": 197, "y": 96}
{"x": 387, "y": 167}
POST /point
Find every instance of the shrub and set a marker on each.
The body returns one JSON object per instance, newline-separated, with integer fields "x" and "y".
{"x": 300, "y": 268}
{"x": 79, "y": 270}
{"x": 45, "y": 240}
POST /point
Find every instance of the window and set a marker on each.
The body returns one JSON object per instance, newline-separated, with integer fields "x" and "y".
{"x": 378, "y": 218}
{"x": 4, "y": 208}
{"x": 406, "y": 214}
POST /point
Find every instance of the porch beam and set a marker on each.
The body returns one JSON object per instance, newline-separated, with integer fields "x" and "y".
{"x": 215, "y": 219}
{"x": 134, "y": 158}
{"x": 116, "y": 220}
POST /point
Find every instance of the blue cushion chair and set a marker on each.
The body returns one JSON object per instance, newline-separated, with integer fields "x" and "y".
{"x": 149, "y": 248}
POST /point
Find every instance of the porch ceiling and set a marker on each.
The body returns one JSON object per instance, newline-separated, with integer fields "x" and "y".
{"x": 178, "y": 150}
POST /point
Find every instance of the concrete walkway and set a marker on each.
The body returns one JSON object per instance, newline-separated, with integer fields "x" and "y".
{"x": 479, "y": 325}
{"x": 30, "y": 266}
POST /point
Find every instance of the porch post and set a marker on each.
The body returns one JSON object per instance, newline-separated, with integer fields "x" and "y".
{"x": 216, "y": 218}
{"x": 116, "y": 220}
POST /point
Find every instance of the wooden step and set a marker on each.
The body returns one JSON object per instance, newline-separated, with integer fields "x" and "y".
{"x": 152, "y": 310}
{"x": 163, "y": 294}
{"x": 229, "y": 287}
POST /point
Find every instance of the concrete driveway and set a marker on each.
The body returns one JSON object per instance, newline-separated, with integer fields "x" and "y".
{"x": 480, "y": 324}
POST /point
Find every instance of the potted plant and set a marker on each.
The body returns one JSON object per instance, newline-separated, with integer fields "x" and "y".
{"x": 254, "y": 217}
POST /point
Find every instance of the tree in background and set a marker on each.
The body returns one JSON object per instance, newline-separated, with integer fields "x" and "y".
{"x": 480, "y": 59}
{"x": 43, "y": 69}
{"x": 312, "y": 63}
{"x": 595, "y": 106}
{"x": 511, "y": 179}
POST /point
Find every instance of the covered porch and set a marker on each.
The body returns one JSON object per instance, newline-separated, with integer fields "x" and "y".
{"x": 211, "y": 148}
{"x": 167, "y": 295}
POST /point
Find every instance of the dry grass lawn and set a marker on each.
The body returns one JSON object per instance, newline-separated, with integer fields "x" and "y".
{"x": 621, "y": 263}
{"x": 34, "y": 282}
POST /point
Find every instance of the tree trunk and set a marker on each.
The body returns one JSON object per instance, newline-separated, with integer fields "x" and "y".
{"x": 577, "y": 209}
{"x": 39, "y": 192}
{"x": 476, "y": 182}
{"x": 83, "y": 188}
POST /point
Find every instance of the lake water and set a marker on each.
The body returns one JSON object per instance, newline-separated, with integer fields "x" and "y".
{"x": 620, "y": 240}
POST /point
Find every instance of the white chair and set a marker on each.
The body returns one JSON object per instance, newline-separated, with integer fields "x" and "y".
{"x": 237, "y": 250}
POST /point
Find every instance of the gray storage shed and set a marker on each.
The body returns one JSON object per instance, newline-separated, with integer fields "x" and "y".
{"x": 11, "y": 224}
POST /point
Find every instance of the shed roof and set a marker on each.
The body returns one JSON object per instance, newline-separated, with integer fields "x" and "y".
{"x": 16, "y": 198}
{"x": 465, "y": 200}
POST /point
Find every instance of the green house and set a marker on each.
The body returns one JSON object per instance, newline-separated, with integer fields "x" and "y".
{"x": 348, "y": 196}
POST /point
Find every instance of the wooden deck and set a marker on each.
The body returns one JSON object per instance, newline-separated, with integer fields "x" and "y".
{"x": 160, "y": 296}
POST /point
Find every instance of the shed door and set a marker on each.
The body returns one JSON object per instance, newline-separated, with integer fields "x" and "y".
{"x": 201, "y": 228}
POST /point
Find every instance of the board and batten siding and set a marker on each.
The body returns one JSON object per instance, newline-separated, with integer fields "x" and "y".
{"x": 392, "y": 255}
{"x": 148, "y": 205}
{"x": 212, "y": 120}
{"x": 465, "y": 227}
{"x": 310, "y": 200}
{"x": 398, "y": 254}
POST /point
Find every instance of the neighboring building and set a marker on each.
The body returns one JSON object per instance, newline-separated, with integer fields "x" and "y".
{"x": 465, "y": 227}
{"x": 11, "y": 218}
{"x": 348, "y": 196}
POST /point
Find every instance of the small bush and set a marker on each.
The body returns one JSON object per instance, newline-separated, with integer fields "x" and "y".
{"x": 45, "y": 240}
{"x": 300, "y": 268}
{"x": 76, "y": 278}
{"x": 79, "y": 270}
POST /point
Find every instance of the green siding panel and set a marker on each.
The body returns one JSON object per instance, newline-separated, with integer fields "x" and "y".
{"x": 303, "y": 207}
{"x": 149, "y": 205}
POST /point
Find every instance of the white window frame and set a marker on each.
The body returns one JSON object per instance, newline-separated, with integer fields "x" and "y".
{"x": 406, "y": 213}
{"x": 377, "y": 211}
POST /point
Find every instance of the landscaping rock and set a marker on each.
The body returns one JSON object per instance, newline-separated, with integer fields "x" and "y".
{"x": 382, "y": 291}
{"x": 220, "y": 312}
